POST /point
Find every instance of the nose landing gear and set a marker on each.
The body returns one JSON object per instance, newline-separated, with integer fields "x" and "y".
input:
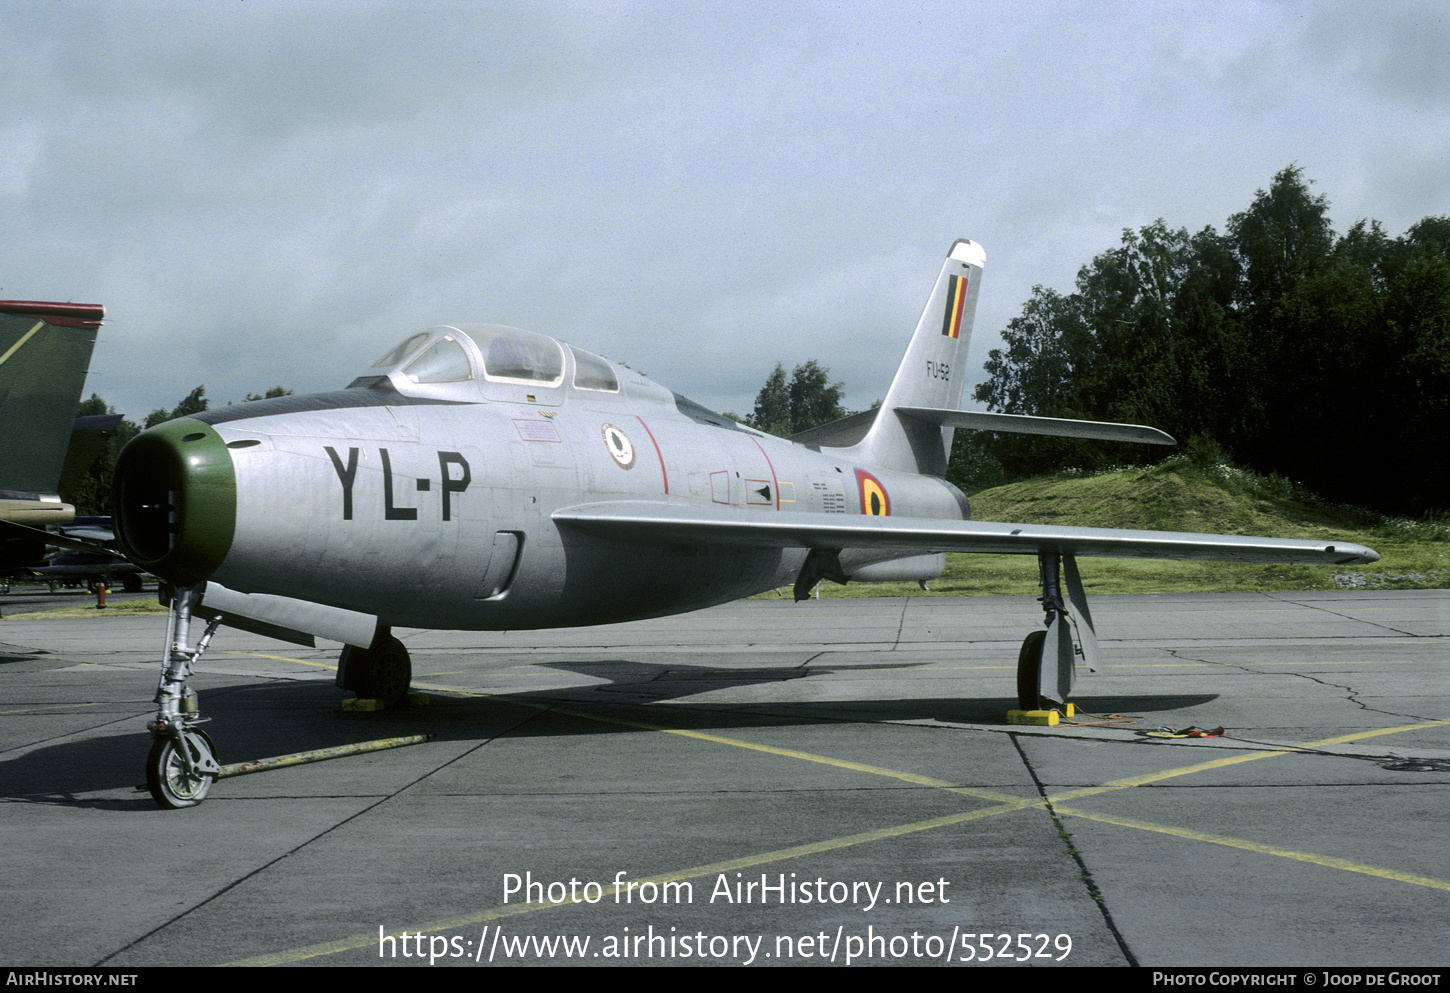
{"x": 182, "y": 764}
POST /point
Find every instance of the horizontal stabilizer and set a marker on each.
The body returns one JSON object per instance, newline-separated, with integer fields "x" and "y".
{"x": 1057, "y": 427}
{"x": 840, "y": 433}
{"x": 667, "y": 523}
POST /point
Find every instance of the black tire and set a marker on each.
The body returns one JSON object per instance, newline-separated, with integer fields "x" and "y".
{"x": 383, "y": 672}
{"x": 166, "y": 776}
{"x": 1029, "y": 668}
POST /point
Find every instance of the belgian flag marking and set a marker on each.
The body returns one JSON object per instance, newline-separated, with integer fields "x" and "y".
{"x": 951, "y": 324}
{"x": 874, "y": 500}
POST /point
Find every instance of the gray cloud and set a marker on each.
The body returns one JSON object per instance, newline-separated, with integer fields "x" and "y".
{"x": 269, "y": 192}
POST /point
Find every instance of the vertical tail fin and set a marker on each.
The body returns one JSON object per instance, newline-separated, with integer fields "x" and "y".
{"x": 45, "y": 350}
{"x": 931, "y": 374}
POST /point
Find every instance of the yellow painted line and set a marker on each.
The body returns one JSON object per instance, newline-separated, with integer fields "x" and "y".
{"x": 23, "y": 339}
{"x": 1378, "y": 732}
{"x": 283, "y": 658}
{"x": 1246, "y": 665}
{"x": 749, "y": 861}
{"x": 1004, "y": 804}
{"x": 1009, "y": 804}
{"x": 1117, "y": 784}
{"x": 906, "y": 777}
{"x": 1112, "y": 667}
{"x": 1154, "y": 777}
{"x": 1251, "y": 846}
{"x": 1327, "y": 661}
{"x": 913, "y": 778}
{"x": 1319, "y": 662}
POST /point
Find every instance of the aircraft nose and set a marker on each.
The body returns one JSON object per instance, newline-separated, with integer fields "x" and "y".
{"x": 175, "y": 500}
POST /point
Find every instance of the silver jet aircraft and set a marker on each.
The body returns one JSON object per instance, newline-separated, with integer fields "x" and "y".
{"x": 486, "y": 478}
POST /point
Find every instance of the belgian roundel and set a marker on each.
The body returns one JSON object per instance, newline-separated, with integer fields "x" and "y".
{"x": 621, "y": 449}
{"x": 874, "y": 500}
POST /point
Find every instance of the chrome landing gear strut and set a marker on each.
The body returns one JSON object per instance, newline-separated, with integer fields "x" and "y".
{"x": 182, "y": 764}
{"x": 1047, "y": 663}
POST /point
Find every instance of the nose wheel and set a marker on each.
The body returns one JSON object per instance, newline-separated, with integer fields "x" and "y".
{"x": 178, "y": 778}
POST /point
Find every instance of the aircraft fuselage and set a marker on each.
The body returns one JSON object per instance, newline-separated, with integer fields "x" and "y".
{"x": 434, "y": 512}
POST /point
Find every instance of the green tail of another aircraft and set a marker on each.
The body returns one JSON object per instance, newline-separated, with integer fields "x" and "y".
{"x": 45, "y": 350}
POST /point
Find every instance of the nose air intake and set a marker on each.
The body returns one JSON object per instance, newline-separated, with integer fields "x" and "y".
{"x": 175, "y": 495}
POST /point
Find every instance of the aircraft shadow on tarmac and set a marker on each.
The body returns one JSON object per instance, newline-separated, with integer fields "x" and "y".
{"x": 257, "y": 720}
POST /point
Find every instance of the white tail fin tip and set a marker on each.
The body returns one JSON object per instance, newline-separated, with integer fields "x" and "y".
{"x": 969, "y": 252}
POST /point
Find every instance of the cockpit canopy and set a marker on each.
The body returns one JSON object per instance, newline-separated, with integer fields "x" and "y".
{"x": 473, "y": 361}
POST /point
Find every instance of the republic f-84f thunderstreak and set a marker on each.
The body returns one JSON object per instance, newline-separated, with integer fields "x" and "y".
{"x": 486, "y": 478}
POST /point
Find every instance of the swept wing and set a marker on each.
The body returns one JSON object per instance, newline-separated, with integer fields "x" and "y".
{"x": 650, "y": 521}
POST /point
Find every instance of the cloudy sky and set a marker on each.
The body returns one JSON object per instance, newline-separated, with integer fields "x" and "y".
{"x": 272, "y": 192}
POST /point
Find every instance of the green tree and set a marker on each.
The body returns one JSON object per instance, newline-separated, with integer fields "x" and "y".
{"x": 1283, "y": 243}
{"x": 1415, "y": 411}
{"x": 194, "y": 403}
{"x": 1283, "y": 237}
{"x": 973, "y": 465}
{"x": 1291, "y": 350}
{"x": 814, "y": 399}
{"x": 271, "y": 394}
{"x": 809, "y": 399}
{"x": 772, "y": 405}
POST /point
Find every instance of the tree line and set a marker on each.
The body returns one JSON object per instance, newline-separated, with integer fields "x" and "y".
{"x": 1278, "y": 344}
{"x": 93, "y": 494}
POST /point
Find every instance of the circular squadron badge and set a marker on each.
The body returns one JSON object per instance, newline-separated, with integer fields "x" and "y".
{"x": 619, "y": 445}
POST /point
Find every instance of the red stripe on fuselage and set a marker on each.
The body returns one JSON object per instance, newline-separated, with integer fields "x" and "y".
{"x": 774, "y": 483}
{"x": 658, "y": 453}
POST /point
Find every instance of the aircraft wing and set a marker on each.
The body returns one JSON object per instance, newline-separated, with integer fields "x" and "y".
{"x": 75, "y": 539}
{"x": 661, "y": 523}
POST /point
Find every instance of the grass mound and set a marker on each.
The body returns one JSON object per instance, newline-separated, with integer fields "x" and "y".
{"x": 1181, "y": 495}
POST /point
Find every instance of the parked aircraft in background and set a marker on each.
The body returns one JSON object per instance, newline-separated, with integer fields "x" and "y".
{"x": 89, "y": 558}
{"x": 482, "y": 477}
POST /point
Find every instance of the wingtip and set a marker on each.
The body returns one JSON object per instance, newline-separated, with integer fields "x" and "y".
{"x": 1354, "y": 554}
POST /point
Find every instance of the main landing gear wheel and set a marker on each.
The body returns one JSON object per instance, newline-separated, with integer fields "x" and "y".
{"x": 383, "y": 672}
{"x": 1029, "y": 669}
{"x": 166, "y": 776}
